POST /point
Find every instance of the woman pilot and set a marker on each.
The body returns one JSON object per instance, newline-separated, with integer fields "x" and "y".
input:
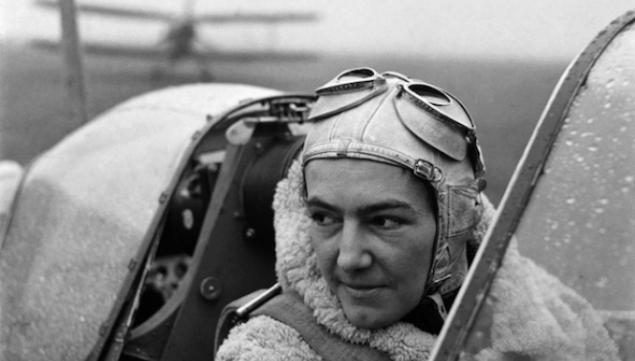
{"x": 373, "y": 224}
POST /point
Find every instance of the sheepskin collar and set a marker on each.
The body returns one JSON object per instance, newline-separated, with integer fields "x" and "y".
{"x": 297, "y": 270}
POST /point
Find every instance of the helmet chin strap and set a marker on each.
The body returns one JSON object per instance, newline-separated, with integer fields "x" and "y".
{"x": 432, "y": 285}
{"x": 431, "y": 312}
{"x": 438, "y": 300}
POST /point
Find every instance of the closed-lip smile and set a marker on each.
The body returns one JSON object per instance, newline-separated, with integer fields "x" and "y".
{"x": 360, "y": 290}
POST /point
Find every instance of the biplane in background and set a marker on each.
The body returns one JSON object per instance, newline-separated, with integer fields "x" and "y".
{"x": 182, "y": 42}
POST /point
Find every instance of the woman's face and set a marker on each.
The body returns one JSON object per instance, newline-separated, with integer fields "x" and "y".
{"x": 373, "y": 231}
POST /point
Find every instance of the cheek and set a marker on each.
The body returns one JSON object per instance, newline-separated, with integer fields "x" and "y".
{"x": 413, "y": 262}
{"x": 424, "y": 244}
{"x": 324, "y": 251}
{"x": 410, "y": 280}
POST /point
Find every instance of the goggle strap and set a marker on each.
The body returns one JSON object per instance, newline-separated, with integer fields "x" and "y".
{"x": 349, "y": 106}
{"x": 351, "y": 86}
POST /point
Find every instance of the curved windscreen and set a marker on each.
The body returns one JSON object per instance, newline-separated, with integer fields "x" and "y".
{"x": 566, "y": 286}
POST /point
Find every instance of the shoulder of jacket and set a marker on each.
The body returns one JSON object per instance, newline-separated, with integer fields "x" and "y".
{"x": 266, "y": 339}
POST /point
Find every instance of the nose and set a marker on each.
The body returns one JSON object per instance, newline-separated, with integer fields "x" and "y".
{"x": 353, "y": 251}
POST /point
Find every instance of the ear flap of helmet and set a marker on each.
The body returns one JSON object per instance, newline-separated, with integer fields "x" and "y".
{"x": 459, "y": 214}
{"x": 463, "y": 210}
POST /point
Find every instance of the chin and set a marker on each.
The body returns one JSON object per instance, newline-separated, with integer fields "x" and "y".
{"x": 364, "y": 318}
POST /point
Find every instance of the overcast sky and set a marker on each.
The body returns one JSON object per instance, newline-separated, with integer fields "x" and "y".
{"x": 484, "y": 28}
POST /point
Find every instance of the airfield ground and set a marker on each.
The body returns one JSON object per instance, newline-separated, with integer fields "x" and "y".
{"x": 505, "y": 97}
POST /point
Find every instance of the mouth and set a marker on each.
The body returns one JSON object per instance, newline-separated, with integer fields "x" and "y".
{"x": 361, "y": 291}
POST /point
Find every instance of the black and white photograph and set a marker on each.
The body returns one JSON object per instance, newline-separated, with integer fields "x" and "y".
{"x": 308, "y": 180}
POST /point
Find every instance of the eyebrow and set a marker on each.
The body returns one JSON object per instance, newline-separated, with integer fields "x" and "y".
{"x": 389, "y": 204}
{"x": 317, "y": 202}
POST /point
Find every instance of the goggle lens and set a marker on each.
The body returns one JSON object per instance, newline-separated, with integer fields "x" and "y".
{"x": 429, "y": 93}
{"x": 351, "y": 81}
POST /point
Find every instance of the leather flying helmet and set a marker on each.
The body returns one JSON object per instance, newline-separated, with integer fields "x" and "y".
{"x": 392, "y": 119}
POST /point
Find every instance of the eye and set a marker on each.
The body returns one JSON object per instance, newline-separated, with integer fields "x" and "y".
{"x": 386, "y": 222}
{"x": 322, "y": 219}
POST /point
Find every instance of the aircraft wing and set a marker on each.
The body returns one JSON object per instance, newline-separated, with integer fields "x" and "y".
{"x": 267, "y": 18}
{"x": 238, "y": 17}
{"x": 152, "y": 52}
{"x": 104, "y": 49}
{"x": 112, "y": 11}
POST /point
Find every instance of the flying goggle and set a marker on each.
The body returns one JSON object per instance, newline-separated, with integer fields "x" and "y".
{"x": 432, "y": 114}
